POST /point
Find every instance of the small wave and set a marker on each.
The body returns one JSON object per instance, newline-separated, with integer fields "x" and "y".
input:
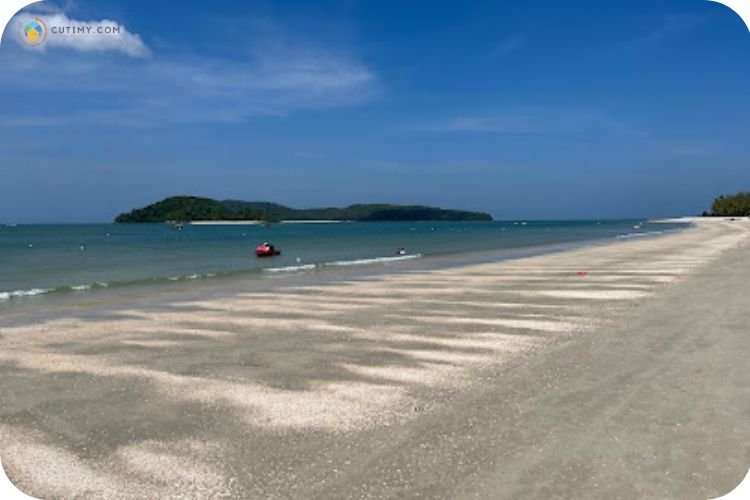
{"x": 187, "y": 277}
{"x": 376, "y": 260}
{"x": 290, "y": 269}
{"x": 83, "y": 288}
{"x": 30, "y": 293}
{"x": 25, "y": 293}
{"x": 6, "y": 296}
{"x": 97, "y": 285}
{"x": 640, "y": 235}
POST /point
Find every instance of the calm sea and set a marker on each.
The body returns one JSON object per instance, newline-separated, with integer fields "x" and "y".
{"x": 77, "y": 259}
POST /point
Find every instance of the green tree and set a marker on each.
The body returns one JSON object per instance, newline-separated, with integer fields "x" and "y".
{"x": 737, "y": 205}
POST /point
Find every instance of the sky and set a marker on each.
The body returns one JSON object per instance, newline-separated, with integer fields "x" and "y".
{"x": 527, "y": 109}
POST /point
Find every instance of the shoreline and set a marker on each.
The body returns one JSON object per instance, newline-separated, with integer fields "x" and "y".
{"x": 197, "y": 275}
{"x": 260, "y": 222}
{"x": 261, "y": 392}
{"x": 222, "y": 284}
{"x": 698, "y": 219}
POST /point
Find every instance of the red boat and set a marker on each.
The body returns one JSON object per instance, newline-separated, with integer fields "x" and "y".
{"x": 267, "y": 250}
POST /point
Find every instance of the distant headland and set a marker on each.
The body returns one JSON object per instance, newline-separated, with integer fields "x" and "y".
{"x": 737, "y": 205}
{"x": 196, "y": 209}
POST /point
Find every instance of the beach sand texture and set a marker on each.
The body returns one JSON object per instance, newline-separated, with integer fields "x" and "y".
{"x": 520, "y": 378}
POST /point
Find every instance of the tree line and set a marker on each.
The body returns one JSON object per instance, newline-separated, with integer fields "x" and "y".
{"x": 737, "y": 205}
{"x": 193, "y": 208}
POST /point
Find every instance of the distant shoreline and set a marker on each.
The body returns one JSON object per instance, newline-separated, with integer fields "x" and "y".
{"x": 692, "y": 220}
{"x": 257, "y": 222}
{"x": 225, "y": 222}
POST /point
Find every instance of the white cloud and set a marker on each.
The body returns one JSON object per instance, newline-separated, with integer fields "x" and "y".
{"x": 91, "y": 89}
{"x": 558, "y": 121}
{"x": 514, "y": 125}
{"x": 90, "y": 36}
{"x": 81, "y": 80}
{"x": 510, "y": 44}
{"x": 671, "y": 27}
{"x": 691, "y": 148}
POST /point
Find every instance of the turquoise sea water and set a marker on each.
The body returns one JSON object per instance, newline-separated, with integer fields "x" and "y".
{"x": 53, "y": 259}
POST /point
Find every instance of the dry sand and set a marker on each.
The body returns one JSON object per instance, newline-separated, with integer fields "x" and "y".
{"x": 515, "y": 379}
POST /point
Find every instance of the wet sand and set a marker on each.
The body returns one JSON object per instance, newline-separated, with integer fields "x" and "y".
{"x": 514, "y": 379}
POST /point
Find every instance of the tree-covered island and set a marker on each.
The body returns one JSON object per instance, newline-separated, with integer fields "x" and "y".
{"x": 193, "y": 208}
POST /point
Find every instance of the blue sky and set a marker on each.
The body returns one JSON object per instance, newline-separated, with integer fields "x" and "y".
{"x": 525, "y": 109}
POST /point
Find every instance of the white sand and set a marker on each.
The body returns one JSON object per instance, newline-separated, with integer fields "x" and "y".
{"x": 355, "y": 354}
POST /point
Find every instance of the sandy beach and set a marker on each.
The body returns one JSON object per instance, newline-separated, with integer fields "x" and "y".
{"x": 615, "y": 370}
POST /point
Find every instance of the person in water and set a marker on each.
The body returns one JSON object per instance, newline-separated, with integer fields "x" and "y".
{"x": 266, "y": 248}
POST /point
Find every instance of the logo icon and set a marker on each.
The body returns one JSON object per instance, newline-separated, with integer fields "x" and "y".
{"x": 34, "y": 32}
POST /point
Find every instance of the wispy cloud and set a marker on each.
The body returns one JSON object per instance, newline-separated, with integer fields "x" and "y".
{"x": 89, "y": 36}
{"x": 495, "y": 125}
{"x": 691, "y": 149}
{"x": 21, "y": 121}
{"x": 532, "y": 121}
{"x": 105, "y": 89}
{"x": 509, "y": 45}
{"x": 672, "y": 26}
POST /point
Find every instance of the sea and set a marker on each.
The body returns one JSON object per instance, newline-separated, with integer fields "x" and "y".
{"x": 39, "y": 261}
